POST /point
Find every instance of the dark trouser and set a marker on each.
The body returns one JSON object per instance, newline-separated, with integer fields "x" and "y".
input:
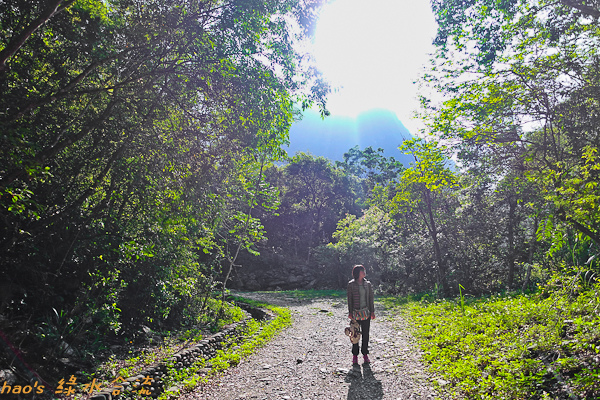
{"x": 364, "y": 330}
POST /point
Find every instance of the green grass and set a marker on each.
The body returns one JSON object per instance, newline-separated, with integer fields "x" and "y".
{"x": 512, "y": 347}
{"x": 256, "y": 335}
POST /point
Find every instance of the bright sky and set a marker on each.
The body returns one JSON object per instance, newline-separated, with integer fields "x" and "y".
{"x": 374, "y": 51}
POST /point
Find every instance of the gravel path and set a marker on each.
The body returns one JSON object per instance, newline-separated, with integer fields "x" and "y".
{"x": 312, "y": 360}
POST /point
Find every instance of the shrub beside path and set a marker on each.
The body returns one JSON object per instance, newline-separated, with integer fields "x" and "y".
{"x": 312, "y": 360}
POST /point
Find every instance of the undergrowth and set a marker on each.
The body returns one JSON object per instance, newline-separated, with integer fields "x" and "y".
{"x": 133, "y": 358}
{"x": 521, "y": 346}
{"x": 255, "y": 335}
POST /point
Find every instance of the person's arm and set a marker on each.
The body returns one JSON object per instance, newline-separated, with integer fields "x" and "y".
{"x": 371, "y": 301}
{"x": 350, "y": 300}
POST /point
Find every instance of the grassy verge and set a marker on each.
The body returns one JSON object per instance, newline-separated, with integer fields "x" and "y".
{"x": 544, "y": 345}
{"x": 256, "y": 335}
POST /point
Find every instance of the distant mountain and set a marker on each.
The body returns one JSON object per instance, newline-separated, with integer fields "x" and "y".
{"x": 335, "y": 135}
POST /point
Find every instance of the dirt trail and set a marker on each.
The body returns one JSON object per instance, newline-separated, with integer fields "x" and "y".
{"x": 312, "y": 360}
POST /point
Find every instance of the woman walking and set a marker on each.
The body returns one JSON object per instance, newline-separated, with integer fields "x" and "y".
{"x": 361, "y": 307}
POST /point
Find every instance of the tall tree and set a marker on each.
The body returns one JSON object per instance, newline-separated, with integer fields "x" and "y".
{"x": 121, "y": 123}
{"x": 370, "y": 167}
{"x": 315, "y": 195}
{"x": 421, "y": 189}
{"x": 521, "y": 80}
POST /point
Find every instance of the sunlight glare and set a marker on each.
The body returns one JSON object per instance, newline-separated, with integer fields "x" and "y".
{"x": 373, "y": 52}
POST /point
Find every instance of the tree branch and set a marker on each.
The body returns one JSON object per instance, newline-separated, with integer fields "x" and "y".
{"x": 51, "y": 151}
{"x": 582, "y": 7}
{"x": 18, "y": 41}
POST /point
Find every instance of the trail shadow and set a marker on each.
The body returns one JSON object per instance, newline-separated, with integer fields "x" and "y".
{"x": 286, "y": 298}
{"x": 295, "y": 297}
{"x": 363, "y": 385}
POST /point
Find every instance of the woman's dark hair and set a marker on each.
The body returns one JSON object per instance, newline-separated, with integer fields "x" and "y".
{"x": 356, "y": 270}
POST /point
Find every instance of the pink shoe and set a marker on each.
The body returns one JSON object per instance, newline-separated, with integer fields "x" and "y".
{"x": 366, "y": 358}
{"x": 354, "y": 359}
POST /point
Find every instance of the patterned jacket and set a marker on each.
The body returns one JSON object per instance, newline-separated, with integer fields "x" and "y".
{"x": 354, "y": 296}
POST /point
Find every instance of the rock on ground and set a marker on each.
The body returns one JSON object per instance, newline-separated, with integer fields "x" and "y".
{"x": 312, "y": 360}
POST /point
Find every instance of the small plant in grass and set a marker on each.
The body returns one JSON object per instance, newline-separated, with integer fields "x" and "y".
{"x": 462, "y": 299}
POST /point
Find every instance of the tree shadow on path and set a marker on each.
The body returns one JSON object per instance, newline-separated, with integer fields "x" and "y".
{"x": 363, "y": 385}
{"x": 296, "y": 298}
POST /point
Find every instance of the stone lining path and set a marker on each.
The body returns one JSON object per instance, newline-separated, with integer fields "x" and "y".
{"x": 311, "y": 360}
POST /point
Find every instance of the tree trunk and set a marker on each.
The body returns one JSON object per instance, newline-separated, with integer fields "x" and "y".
{"x": 532, "y": 246}
{"x": 239, "y": 246}
{"x": 512, "y": 206}
{"x": 441, "y": 270}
